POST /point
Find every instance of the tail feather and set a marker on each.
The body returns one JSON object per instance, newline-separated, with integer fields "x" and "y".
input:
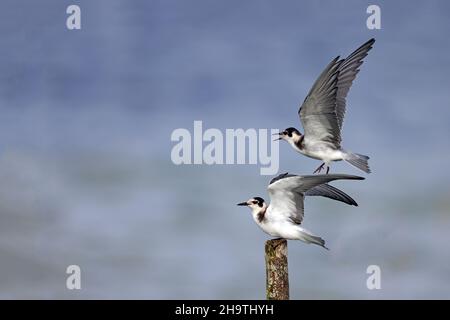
{"x": 360, "y": 161}
{"x": 308, "y": 237}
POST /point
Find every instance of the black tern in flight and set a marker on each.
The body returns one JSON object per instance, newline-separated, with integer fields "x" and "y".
{"x": 322, "y": 114}
{"x": 283, "y": 216}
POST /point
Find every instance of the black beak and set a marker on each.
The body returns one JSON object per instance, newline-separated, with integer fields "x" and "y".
{"x": 243, "y": 204}
{"x": 280, "y": 134}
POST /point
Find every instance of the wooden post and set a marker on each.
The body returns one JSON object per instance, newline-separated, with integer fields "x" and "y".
{"x": 277, "y": 277}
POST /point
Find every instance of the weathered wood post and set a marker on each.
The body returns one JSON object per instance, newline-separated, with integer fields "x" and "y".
{"x": 277, "y": 277}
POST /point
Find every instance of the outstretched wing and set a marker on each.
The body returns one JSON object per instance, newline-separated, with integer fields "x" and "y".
{"x": 347, "y": 73}
{"x": 323, "y": 190}
{"x": 322, "y": 113}
{"x": 285, "y": 201}
{"x": 318, "y": 111}
{"x": 287, "y": 193}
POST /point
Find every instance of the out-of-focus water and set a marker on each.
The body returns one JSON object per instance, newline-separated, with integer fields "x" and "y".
{"x": 85, "y": 170}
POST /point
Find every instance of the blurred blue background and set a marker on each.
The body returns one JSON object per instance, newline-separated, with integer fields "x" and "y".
{"x": 85, "y": 170}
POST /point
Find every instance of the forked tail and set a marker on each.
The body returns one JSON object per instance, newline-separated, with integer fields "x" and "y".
{"x": 358, "y": 160}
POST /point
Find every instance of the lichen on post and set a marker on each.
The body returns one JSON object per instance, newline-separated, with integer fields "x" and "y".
{"x": 277, "y": 277}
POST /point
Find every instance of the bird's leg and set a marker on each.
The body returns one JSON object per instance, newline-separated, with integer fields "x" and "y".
{"x": 328, "y": 169}
{"x": 319, "y": 168}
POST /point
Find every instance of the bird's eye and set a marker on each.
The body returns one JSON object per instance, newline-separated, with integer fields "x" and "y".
{"x": 285, "y": 132}
{"x": 254, "y": 202}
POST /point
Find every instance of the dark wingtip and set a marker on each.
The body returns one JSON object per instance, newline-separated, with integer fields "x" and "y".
{"x": 352, "y": 202}
{"x": 369, "y": 42}
{"x": 279, "y": 177}
{"x": 350, "y": 177}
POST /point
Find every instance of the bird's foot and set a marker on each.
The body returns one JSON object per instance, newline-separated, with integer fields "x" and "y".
{"x": 328, "y": 169}
{"x": 319, "y": 168}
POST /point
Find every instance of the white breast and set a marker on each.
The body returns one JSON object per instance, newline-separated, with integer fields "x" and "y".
{"x": 321, "y": 151}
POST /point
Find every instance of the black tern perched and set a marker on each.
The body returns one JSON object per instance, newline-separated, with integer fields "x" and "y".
{"x": 283, "y": 216}
{"x": 322, "y": 114}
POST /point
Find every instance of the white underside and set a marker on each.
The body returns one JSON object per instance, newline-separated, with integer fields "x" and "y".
{"x": 320, "y": 151}
{"x": 282, "y": 229}
{"x": 288, "y": 231}
{"x": 278, "y": 227}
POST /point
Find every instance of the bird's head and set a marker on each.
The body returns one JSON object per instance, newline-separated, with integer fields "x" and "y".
{"x": 289, "y": 134}
{"x": 256, "y": 204}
